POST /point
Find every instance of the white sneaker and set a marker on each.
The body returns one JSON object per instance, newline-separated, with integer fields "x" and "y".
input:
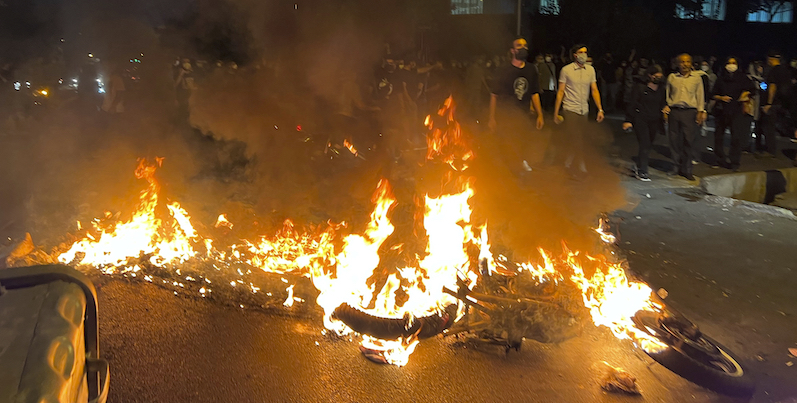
{"x": 526, "y": 166}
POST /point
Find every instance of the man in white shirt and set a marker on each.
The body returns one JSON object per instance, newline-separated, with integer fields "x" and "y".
{"x": 577, "y": 81}
{"x": 685, "y": 112}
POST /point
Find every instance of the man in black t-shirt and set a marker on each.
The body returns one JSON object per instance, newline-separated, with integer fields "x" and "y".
{"x": 516, "y": 84}
{"x": 774, "y": 117}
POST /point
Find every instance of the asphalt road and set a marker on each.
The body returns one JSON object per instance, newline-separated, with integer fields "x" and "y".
{"x": 730, "y": 269}
{"x": 167, "y": 348}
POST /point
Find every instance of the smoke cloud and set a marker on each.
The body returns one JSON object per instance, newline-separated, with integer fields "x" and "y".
{"x": 259, "y": 145}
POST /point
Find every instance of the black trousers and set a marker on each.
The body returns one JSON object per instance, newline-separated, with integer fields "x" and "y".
{"x": 769, "y": 123}
{"x": 547, "y": 99}
{"x": 683, "y": 129}
{"x": 646, "y": 131}
{"x": 739, "y": 124}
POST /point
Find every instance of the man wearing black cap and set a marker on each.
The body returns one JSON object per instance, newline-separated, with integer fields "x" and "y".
{"x": 778, "y": 83}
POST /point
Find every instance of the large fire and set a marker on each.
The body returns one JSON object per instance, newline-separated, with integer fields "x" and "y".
{"x": 369, "y": 271}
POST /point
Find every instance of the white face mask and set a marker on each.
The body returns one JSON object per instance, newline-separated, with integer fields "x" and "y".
{"x": 731, "y": 68}
{"x": 548, "y": 59}
{"x": 704, "y": 67}
{"x": 793, "y": 64}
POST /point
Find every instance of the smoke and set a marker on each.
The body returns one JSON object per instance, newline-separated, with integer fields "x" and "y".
{"x": 260, "y": 150}
{"x": 551, "y": 203}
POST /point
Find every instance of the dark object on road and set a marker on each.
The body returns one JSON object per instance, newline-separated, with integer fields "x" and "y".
{"x": 619, "y": 381}
{"x": 374, "y": 355}
{"x": 393, "y": 328}
{"x": 695, "y": 356}
{"x": 776, "y": 184}
{"x": 16, "y": 250}
{"x": 51, "y": 348}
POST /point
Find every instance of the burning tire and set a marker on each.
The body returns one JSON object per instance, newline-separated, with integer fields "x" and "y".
{"x": 393, "y": 328}
{"x": 695, "y": 356}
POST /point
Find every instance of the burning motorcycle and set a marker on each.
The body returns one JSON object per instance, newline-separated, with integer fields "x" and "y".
{"x": 427, "y": 268}
{"x": 509, "y": 306}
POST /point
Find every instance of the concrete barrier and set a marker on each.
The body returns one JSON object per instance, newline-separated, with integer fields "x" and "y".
{"x": 757, "y": 186}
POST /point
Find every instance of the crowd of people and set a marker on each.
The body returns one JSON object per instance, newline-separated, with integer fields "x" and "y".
{"x": 759, "y": 100}
{"x": 756, "y": 102}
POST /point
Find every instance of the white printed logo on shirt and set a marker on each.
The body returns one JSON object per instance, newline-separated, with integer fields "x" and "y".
{"x": 521, "y": 86}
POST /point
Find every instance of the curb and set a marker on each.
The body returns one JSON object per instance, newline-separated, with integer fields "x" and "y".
{"x": 757, "y": 207}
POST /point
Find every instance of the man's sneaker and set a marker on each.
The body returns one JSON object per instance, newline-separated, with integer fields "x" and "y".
{"x": 688, "y": 176}
{"x": 643, "y": 176}
{"x": 526, "y": 166}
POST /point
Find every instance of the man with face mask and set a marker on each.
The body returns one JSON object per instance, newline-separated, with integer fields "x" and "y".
{"x": 577, "y": 81}
{"x": 517, "y": 87}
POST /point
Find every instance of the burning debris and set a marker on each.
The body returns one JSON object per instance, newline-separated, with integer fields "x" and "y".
{"x": 617, "y": 380}
{"x": 393, "y": 283}
{"x": 22, "y": 253}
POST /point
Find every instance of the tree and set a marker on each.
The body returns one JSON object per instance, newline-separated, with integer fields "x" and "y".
{"x": 771, "y": 7}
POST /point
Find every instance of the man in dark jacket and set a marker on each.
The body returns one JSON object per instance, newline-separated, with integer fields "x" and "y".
{"x": 776, "y": 103}
{"x": 643, "y": 114}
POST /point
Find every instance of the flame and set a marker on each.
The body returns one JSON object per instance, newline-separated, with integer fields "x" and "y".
{"x": 222, "y": 221}
{"x": 348, "y": 144}
{"x": 447, "y": 224}
{"x": 613, "y": 299}
{"x": 380, "y": 275}
{"x": 447, "y": 142}
{"x": 120, "y": 244}
{"x": 605, "y": 235}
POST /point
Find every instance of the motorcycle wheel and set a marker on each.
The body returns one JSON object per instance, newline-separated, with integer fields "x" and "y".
{"x": 699, "y": 359}
{"x": 393, "y": 328}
